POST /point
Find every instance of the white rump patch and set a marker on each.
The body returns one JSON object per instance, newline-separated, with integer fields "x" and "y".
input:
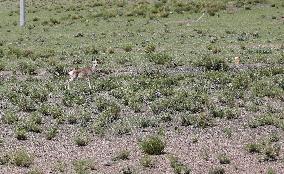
{"x": 71, "y": 73}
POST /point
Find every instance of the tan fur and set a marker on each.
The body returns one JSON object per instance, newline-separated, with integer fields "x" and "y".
{"x": 237, "y": 60}
{"x": 85, "y": 73}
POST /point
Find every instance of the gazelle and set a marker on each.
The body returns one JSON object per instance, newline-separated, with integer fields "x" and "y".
{"x": 85, "y": 73}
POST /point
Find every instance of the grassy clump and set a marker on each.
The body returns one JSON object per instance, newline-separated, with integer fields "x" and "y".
{"x": 72, "y": 98}
{"x": 181, "y": 101}
{"x": 267, "y": 88}
{"x": 81, "y": 139}
{"x": 254, "y": 147}
{"x": 32, "y": 126}
{"x": 268, "y": 119}
{"x": 153, "y": 145}
{"x": 55, "y": 111}
{"x": 82, "y": 166}
{"x": 127, "y": 48}
{"x": 27, "y": 67}
{"x": 122, "y": 155}
{"x": 10, "y": 118}
{"x": 274, "y": 137}
{"x": 51, "y": 133}
{"x": 4, "y": 159}
{"x": 213, "y": 63}
{"x": 21, "y": 158}
{"x": 178, "y": 167}
{"x": 21, "y": 134}
{"x": 271, "y": 152}
{"x": 159, "y": 58}
{"x": 35, "y": 171}
{"x": 223, "y": 159}
{"x": 146, "y": 161}
{"x": 121, "y": 128}
{"x": 268, "y": 150}
{"x": 217, "y": 170}
{"x": 150, "y": 48}
{"x": 201, "y": 120}
{"x": 270, "y": 171}
{"x": 110, "y": 113}
{"x": 228, "y": 113}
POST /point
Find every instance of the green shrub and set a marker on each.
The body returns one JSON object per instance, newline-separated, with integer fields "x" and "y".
{"x": 58, "y": 70}
{"x": 267, "y": 88}
{"x": 15, "y": 51}
{"x": 109, "y": 109}
{"x": 107, "y": 84}
{"x": 150, "y": 48}
{"x": 4, "y": 159}
{"x": 201, "y": 120}
{"x": 35, "y": 171}
{"x": 33, "y": 127}
{"x": 36, "y": 117}
{"x": 72, "y": 119}
{"x": 223, "y": 159}
{"x": 107, "y": 117}
{"x": 81, "y": 166}
{"x": 54, "y": 111}
{"x": 127, "y": 170}
{"x": 72, "y": 98}
{"x": 122, "y": 155}
{"x": 146, "y": 161}
{"x": 153, "y": 145}
{"x": 91, "y": 50}
{"x": 24, "y": 103}
{"x": 271, "y": 152}
{"x": 213, "y": 63}
{"x": 81, "y": 139}
{"x": 187, "y": 120}
{"x": 54, "y": 21}
{"x": 21, "y": 158}
{"x": 254, "y": 147}
{"x": 217, "y": 170}
{"x": 274, "y": 137}
{"x": 159, "y": 58}
{"x": 127, "y": 48}
{"x": 228, "y": 113}
{"x": 51, "y": 133}
{"x": 10, "y": 117}
{"x": 178, "y": 167}
{"x": 121, "y": 128}
{"x": 242, "y": 81}
{"x": 27, "y": 67}
{"x": 228, "y": 132}
{"x": 21, "y": 134}
{"x": 270, "y": 171}
{"x": 148, "y": 122}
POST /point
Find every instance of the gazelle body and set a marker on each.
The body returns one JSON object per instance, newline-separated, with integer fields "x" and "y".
{"x": 85, "y": 73}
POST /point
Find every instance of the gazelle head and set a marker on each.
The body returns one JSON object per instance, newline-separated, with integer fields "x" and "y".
{"x": 95, "y": 63}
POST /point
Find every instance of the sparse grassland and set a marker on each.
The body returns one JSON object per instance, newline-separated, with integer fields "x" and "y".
{"x": 167, "y": 95}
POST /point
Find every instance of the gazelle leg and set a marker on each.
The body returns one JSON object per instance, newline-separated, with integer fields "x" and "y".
{"x": 89, "y": 82}
{"x": 68, "y": 86}
{"x": 68, "y": 83}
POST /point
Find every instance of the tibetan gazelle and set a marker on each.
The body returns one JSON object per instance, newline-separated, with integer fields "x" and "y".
{"x": 84, "y": 73}
{"x": 237, "y": 60}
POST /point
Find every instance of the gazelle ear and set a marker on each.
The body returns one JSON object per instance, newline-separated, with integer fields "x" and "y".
{"x": 95, "y": 62}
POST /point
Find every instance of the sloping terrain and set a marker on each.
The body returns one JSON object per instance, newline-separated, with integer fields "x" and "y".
{"x": 168, "y": 96}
